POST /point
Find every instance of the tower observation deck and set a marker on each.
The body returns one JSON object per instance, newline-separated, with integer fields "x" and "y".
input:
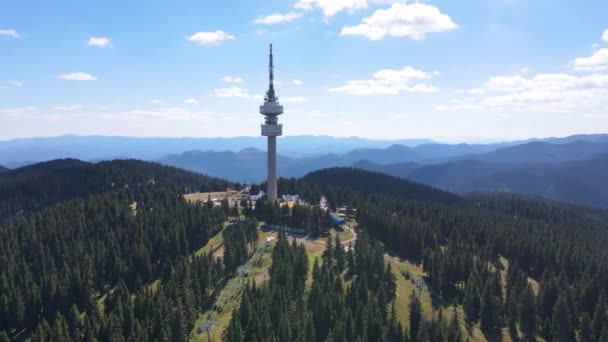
{"x": 271, "y": 128}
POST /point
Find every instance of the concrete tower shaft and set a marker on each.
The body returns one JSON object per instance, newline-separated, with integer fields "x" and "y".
{"x": 271, "y": 128}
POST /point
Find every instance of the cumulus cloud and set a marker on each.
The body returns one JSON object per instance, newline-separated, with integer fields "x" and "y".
{"x": 297, "y": 82}
{"x": 210, "y": 38}
{"x": 234, "y": 92}
{"x": 598, "y": 61}
{"x": 399, "y": 116}
{"x": 190, "y": 101}
{"x": 402, "y": 20}
{"x": 167, "y": 114}
{"x": 331, "y": 7}
{"x": 540, "y": 93}
{"x": 16, "y": 83}
{"x": 389, "y": 82}
{"x": 277, "y": 18}
{"x": 18, "y": 111}
{"x": 10, "y": 33}
{"x": 157, "y": 101}
{"x": 232, "y": 79}
{"x": 99, "y": 42}
{"x": 67, "y": 108}
{"x": 77, "y": 76}
{"x": 605, "y": 35}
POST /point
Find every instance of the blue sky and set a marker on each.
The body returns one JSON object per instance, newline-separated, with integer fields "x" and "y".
{"x": 468, "y": 70}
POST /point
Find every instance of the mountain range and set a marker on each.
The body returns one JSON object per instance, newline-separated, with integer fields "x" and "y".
{"x": 19, "y": 152}
{"x": 570, "y": 172}
{"x": 576, "y": 181}
{"x": 566, "y": 169}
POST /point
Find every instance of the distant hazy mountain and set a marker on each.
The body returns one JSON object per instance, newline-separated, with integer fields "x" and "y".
{"x": 19, "y": 152}
{"x": 545, "y": 152}
{"x": 249, "y": 165}
{"x": 580, "y": 181}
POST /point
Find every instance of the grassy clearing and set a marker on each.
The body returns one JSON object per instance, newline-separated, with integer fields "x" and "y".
{"x": 214, "y": 244}
{"x": 260, "y": 266}
{"x": 405, "y": 288}
{"x": 229, "y": 297}
{"x": 215, "y": 196}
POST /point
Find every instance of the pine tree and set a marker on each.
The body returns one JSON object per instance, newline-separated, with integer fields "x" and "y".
{"x": 561, "y": 323}
{"x": 489, "y": 313}
{"x": 454, "y": 334}
{"x": 472, "y": 301}
{"x": 415, "y": 316}
{"x": 599, "y": 316}
{"x": 527, "y": 314}
{"x": 585, "y": 331}
{"x": 390, "y": 283}
{"x": 339, "y": 254}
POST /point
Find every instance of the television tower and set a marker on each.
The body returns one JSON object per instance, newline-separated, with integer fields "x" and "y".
{"x": 271, "y": 109}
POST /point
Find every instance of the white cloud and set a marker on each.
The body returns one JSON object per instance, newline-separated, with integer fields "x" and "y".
{"x": 277, "y": 18}
{"x": 99, "y": 41}
{"x": 77, "y": 76}
{"x": 331, "y": 7}
{"x": 210, "y": 38}
{"x": 297, "y": 82}
{"x": 67, "y": 108}
{"x": 476, "y": 91}
{"x": 232, "y": 79}
{"x": 546, "y": 93}
{"x": 402, "y": 20}
{"x": 605, "y": 35}
{"x": 237, "y": 92}
{"x": 18, "y": 111}
{"x": 16, "y": 83}
{"x": 157, "y": 101}
{"x": 166, "y": 114}
{"x": 598, "y": 61}
{"x": 10, "y": 33}
{"x": 191, "y": 101}
{"x": 294, "y": 99}
{"x": 399, "y": 116}
{"x": 524, "y": 70}
{"x": 389, "y": 82}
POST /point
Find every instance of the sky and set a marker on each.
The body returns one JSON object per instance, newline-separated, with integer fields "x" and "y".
{"x": 467, "y": 70}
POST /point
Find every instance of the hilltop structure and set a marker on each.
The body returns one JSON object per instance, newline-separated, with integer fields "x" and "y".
{"x": 271, "y": 128}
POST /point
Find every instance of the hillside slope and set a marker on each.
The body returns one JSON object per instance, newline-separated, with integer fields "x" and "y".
{"x": 368, "y": 183}
{"x": 581, "y": 182}
{"x": 37, "y": 186}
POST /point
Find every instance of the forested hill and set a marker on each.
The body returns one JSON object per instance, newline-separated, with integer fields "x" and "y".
{"x": 2, "y": 168}
{"x": 520, "y": 266}
{"x": 78, "y": 263}
{"x": 368, "y": 182}
{"x": 36, "y": 186}
{"x": 580, "y": 181}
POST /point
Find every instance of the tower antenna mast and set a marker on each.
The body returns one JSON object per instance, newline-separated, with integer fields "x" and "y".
{"x": 271, "y": 128}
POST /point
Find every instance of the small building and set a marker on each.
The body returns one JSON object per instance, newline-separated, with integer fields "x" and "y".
{"x": 290, "y": 198}
{"x": 257, "y": 197}
{"x": 337, "y": 221}
{"x": 346, "y": 210}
